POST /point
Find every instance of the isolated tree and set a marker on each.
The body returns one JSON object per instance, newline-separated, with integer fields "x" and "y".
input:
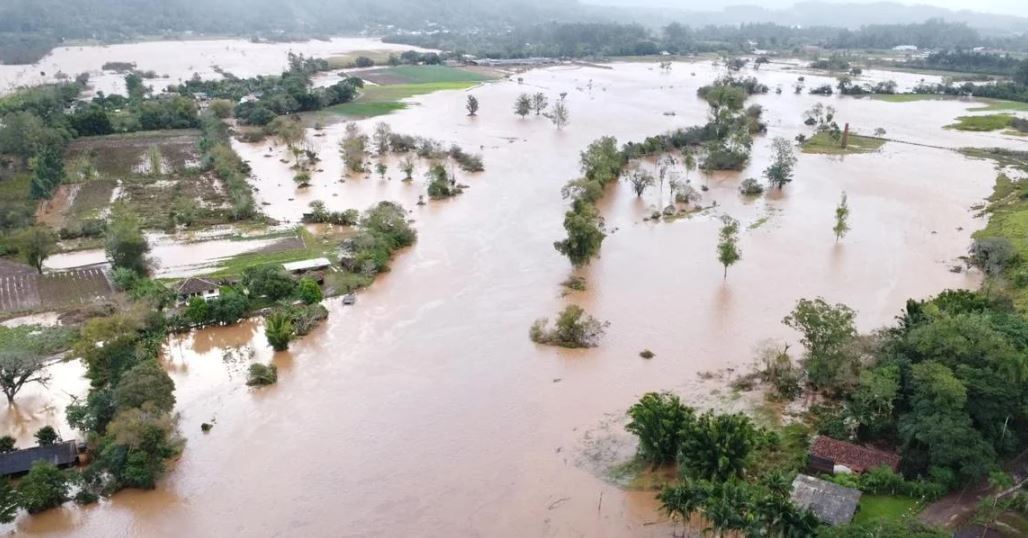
{"x": 279, "y": 330}
{"x": 640, "y": 180}
{"x": 783, "y": 161}
{"x": 380, "y": 138}
{"x": 407, "y": 167}
{"x": 523, "y": 105}
{"x": 19, "y": 367}
{"x": 35, "y": 244}
{"x": 827, "y": 332}
{"x": 472, "y": 105}
{"x": 352, "y": 148}
{"x": 728, "y": 243}
{"x": 44, "y": 487}
{"x": 559, "y": 113}
{"x": 539, "y": 103}
{"x": 658, "y": 420}
{"x": 991, "y": 254}
{"x": 7, "y": 444}
{"x": 381, "y": 168}
{"x": 124, "y": 242}
{"x": 842, "y": 215}
{"x": 46, "y": 436}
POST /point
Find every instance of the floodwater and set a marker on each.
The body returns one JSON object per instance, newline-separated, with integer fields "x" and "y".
{"x": 177, "y": 61}
{"x": 425, "y": 410}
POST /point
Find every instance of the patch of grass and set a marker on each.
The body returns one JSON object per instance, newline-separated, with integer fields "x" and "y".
{"x": 425, "y": 74}
{"x": 1008, "y": 217}
{"x": 907, "y": 97}
{"x": 990, "y": 122}
{"x": 343, "y": 61}
{"x": 380, "y": 100}
{"x": 993, "y": 105}
{"x": 885, "y": 508}
{"x": 824, "y": 144}
{"x": 638, "y": 475}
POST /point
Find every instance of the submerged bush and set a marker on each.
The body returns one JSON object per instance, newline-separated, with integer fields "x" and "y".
{"x": 260, "y": 375}
{"x": 574, "y": 328}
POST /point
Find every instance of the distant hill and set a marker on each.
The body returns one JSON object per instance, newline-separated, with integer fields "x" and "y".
{"x": 847, "y": 15}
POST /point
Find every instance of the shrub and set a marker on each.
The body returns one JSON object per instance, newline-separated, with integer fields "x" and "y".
{"x": 46, "y": 436}
{"x": 573, "y": 329}
{"x": 279, "y": 330}
{"x": 751, "y": 187}
{"x": 44, "y": 487}
{"x": 309, "y": 291}
{"x": 260, "y": 375}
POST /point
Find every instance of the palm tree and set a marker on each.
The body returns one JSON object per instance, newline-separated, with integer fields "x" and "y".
{"x": 279, "y": 331}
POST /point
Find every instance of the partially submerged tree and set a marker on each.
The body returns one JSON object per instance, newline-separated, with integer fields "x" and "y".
{"x": 640, "y": 180}
{"x": 717, "y": 447}
{"x": 539, "y": 103}
{"x": 19, "y": 367}
{"x": 261, "y": 374}
{"x": 783, "y": 161}
{"x": 728, "y": 243}
{"x": 381, "y": 137}
{"x": 523, "y": 105}
{"x": 559, "y": 113}
{"x": 278, "y": 329}
{"x": 584, "y": 234}
{"x": 44, "y": 487}
{"x": 472, "y": 105}
{"x": 842, "y": 215}
{"x": 353, "y": 147}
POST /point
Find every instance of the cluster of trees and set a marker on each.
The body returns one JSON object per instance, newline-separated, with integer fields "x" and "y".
{"x": 262, "y": 98}
{"x": 1016, "y": 89}
{"x": 967, "y": 61}
{"x": 557, "y": 113}
{"x": 601, "y": 165}
{"x": 219, "y": 158}
{"x": 384, "y": 229}
{"x": 945, "y": 385}
{"x": 719, "y": 478}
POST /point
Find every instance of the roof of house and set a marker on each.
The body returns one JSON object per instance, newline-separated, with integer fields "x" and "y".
{"x": 307, "y": 265}
{"x": 857, "y": 458}
{"x": 831, "y": 503}
{"x": 20, "y": 461}
{"x": 193, "y": 285}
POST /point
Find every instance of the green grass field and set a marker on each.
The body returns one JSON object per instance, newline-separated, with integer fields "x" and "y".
{"x": 907, "y": 97}
{"x": 379, "y": 100}
{"x": 884, "y": 507}
{"x": 426, "y": 74}
{"x": 824, "y": 144}
{"x": 990, "y": 122}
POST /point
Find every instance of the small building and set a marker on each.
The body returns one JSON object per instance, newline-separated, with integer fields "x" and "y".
{"x": 827, "y": 455}
{"x": 831, "y": 503}
{"x": 19, "y": 462}
{"x": 197, "y": 287}
{"x": 307, "y": 266}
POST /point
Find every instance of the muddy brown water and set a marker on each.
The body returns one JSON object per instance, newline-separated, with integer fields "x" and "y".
{"x": 424, "y": 410}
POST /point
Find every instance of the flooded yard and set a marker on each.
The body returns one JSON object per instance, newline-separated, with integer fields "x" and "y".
{"x": 425, "y": 410}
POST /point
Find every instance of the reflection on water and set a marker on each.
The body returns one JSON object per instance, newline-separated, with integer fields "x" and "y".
{"x": 425, "y": 410}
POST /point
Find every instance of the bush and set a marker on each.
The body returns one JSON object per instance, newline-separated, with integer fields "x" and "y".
{"x": 573, "y": 329}
{"x": 309, "y": 291}
{"x": 260, "y": 375}
{"x": 44, "y": 487}
{"x": 46, "y": 436}
{"x": 751, "y": 187}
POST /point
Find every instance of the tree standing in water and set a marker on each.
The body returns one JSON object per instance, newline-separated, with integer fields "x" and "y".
{"x": 728, "y": 243}
{"x": 472, "y": 105}
{"x": 523, "y": 105}
{"x": 559, "y": 115}
{"x": 780, "y": 171}
{"x": 842, "y": 215}
{"x": 539, "y": 103}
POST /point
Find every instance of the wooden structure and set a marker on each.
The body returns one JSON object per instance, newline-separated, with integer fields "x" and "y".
{"x": 827, "y": 453}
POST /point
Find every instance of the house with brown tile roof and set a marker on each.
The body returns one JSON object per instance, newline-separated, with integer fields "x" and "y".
{"x": 854, "y": 457}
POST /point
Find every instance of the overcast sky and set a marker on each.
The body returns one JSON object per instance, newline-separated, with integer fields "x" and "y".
{"x": 1008, "y": 7}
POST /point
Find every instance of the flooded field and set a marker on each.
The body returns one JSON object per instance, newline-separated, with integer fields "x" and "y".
{"x": 425, "y": 410}
{"x": 176, "y": 61}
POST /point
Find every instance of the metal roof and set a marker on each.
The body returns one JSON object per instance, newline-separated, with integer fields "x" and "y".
{"x": 307, "y": 265}
{"x": 831, "y": 503}
{"x": 20, "y": 461}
